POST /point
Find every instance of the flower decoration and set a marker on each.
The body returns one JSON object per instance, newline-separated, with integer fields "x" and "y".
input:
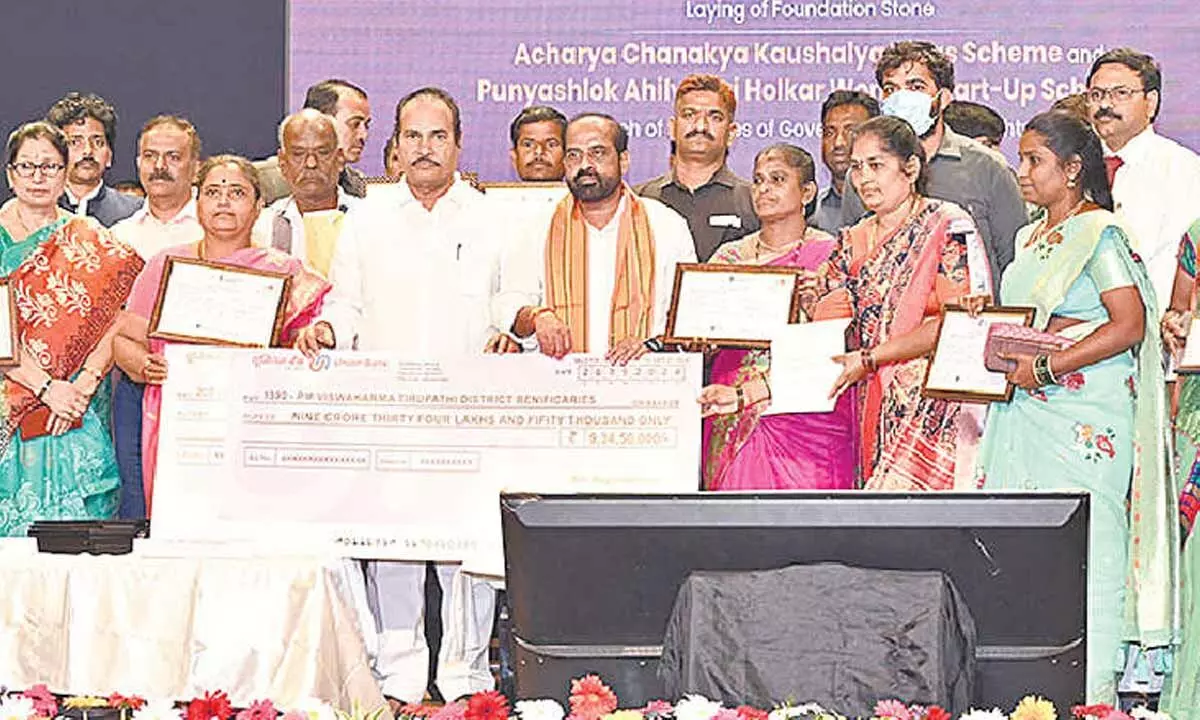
{"x": 487, "y": 705}
{"x": 697, "y": 707}
{"x": 936, "y": 712}
{"x": 259, "y": 710}
{"x": 291, "y": 715}
{"x": 313, "y": 709}
{"x": 415, "y": 710}
{"x": 16, "y": 707}
{"x": 451, "y": 711}
{"x": 745, "y": 712}
{"x": 212, "y": 705}
{"x": 893, "y": 709}
{"x": 539, "y": 710}
{"x": 624, "y": 715}
{"x": 86, "y": 702}
{"x": 993, "y": 714}
{"x": 1033, "y": 707}
{"x": 44, "y": 702}
{"x": 124, "y": 702}
{"x": 727, "y": 714}
{"x": 157, "y": 710}
{"x": 658, "y": 710}
{"x": 591, "y": 699}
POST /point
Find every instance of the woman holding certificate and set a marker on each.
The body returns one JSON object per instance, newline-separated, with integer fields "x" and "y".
{"x": 892, "y": 272}
{"x": 744, "y": 449}
{"x": 69, "y": 278}
{"x": 228, "y": 201}
{"x": 1090, "y": 416}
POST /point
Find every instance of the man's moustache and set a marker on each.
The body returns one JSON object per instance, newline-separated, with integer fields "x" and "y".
{"x": 702, "y": 133}
{"x": 1105, "y": 112}
{"x": 586, "y": 173}
{"x": 164, "y": 175}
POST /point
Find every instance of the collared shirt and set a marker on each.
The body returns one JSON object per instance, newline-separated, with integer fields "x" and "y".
{"x": 150, "y": 236}
{"x": 828, "y": 215}
{"x": 976, "y": 179}
{"x": 718, "y": 211}
{"x": 103, "y": 203}
{"x": 1157, "y": 192}
{"x": 422, "y": 282}
{"x": 524, "y": 267}
{"x": 281, "y": 226}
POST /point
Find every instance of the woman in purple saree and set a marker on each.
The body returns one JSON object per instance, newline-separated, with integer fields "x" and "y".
{"x": 744, "y": 449}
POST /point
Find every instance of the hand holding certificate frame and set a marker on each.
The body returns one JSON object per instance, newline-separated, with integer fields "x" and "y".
{"x": 212, "y": 303}
{"x": 1189, "y": 361}
{"x": 731, "y": 305}
{"x": 956, "y": 371}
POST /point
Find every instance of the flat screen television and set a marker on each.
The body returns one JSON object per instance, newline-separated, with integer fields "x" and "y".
{"x": 592, "y": 578}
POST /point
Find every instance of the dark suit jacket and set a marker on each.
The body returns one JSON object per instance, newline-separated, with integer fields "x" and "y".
{"x": 108, "y": 207}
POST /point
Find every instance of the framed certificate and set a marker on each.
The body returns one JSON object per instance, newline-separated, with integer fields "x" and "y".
{"x": 1189, "y": 364}
{"x": 213, "y": 303}
{"x": 956, "y": 370}
{"x": 731, "y": 305}
{"x": 8, "y": 325}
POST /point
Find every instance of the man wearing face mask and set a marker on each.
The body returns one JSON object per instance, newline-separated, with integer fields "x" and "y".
{"x": 917, "y": 80}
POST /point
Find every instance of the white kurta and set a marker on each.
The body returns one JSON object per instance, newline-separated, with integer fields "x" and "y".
{"x": 1157, "y": 192}
{"x": 422, "y": 283}
{"x": 150, "y": 236}
{"x": 525, "y": 264}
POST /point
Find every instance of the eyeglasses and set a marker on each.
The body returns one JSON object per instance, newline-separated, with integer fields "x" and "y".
{"x": 1119, "y": 94}
{"x": 27, "y": 170}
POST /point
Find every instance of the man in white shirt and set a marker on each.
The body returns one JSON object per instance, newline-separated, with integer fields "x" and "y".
{"x": 307, "y": 223}
{"x": 168, "y": 154}
{"x": 623, "y": 249}
{"x": 415, "y": 272}
{"x": 1155, "y": 181}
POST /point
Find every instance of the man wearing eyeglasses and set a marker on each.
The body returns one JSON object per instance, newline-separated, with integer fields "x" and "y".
{"x": 1155, "y": 180}
{"x": 307, "y": 222}
{"x": 90, "y": 124}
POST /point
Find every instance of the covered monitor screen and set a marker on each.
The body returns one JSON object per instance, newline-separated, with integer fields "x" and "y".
{"x": 592, "y": 578}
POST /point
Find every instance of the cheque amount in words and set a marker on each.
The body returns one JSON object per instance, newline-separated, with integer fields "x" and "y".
{"x": 463, "y": 419}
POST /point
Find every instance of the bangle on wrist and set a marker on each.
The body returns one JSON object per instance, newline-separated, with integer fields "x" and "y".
{"x": 42, "y": 390}
{"x": 868, "y": 360}
{"x": 538, "y": 312}
{"x": 1042, "y": 374}
{"x": 741, "y": 398}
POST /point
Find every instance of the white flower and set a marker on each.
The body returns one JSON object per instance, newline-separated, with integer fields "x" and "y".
{"x": 16, "y": 707}
{"x": 316, "y": 709}
{"x": 696, "y": 707}
{"x": 791, "y": 711}
{"x": 1141, "y": 712}
{"x": 539, "y": 710}
{"x": 993, "y": 714}
{"x": 157, "y": 710}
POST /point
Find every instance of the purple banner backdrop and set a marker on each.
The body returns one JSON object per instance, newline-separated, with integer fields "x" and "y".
{"x": 783, "y": 57}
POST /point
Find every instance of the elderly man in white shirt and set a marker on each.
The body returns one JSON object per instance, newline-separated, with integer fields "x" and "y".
{"x": 416, "y": 272}
{"x": 1155, "y": 180}
{"x": 168, "y": 155}
{"x": 605, "y": 265}
{"x": 308, "y": 221}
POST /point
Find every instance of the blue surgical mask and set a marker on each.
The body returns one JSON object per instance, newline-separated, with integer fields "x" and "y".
{"x": 912, "y": 106}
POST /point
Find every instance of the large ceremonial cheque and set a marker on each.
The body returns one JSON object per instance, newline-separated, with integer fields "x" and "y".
{"x": 372, "y": 455}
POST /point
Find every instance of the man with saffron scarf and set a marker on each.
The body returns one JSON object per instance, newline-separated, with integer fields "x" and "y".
{"x": 609, "y": 257}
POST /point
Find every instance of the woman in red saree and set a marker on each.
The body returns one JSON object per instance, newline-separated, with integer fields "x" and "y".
{"x": 892, "y": 272}
{"x": 228, "y": 202}
{"x": 744, "y": 449}
{"x": 69, "y": 278}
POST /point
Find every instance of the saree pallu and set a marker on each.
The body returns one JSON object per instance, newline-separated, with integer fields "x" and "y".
{"x": 1102, "y": 431}
{"x": 802, "y": 451}
{"x": 305, "y": 297}
{"x": 69, "y": 280}
{"x": 909, "y": 442}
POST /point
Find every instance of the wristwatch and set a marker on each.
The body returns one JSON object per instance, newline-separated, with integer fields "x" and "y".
{"x": 654, "y": 344}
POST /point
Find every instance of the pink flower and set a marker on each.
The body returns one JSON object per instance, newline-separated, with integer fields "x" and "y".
{"x": 44, "y": 703}
{"x": 745, "y": 712}
{"x": 1073, "y": 381}
{"x": 294, "y": 715}
{"x": 727, "y": 714}
{"x": 259, "y": 710}
{"x": 591, "y": 699}
{"x": 658, "y": 708}
{"x": 1105, "y": 445}
{"x": 487, "y": 705}
{"x": 451, "y": 711}
{"x": 892, "y": 709}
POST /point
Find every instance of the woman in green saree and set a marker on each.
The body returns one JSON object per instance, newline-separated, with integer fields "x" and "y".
{"x": 69, "y": 279}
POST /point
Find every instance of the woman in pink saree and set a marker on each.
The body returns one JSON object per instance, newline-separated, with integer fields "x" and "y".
{"x": 744, "y": 449}
{"x": 228, "y": 202}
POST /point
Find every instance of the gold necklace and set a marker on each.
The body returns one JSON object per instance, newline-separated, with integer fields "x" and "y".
{"x": 759, "y": 247}
{"x": 1045, "y": 228}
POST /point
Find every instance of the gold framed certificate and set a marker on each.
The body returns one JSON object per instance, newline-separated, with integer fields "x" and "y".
{"x": 956, "y": 370}
{"x": 212, "y": 303}
{"x": 8, "y": 325}
{"x": 739, "y": 306}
